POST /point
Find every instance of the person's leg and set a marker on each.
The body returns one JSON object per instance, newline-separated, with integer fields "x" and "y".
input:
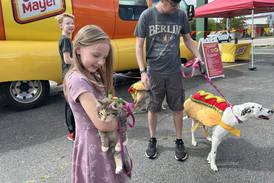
{"x": 151, "y": 151}
{"x": 178, "y": 123}
{"x": 156, "y": 96}
{"x": 152, "y": 122}
{"x": 175, "y": 100}
{"x": 69, "y": 118}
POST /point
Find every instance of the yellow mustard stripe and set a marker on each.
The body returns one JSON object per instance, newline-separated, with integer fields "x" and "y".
{"x": 231, "y": 129}
{"x": 227, "y": 127}
{"x": 205, "y": 132}
{"x": 194, "y": 128}
{"x": 209, "y": 95}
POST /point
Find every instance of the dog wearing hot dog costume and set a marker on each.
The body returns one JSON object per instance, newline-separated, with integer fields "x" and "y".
{"x": 140, "y": 97}
{"x": 208, "y": 110}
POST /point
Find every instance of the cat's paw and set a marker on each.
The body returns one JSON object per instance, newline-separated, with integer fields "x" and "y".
{"x": 118, "y": 148}
{"x": 118, "y": 170}
{"x": 104, "y": 149}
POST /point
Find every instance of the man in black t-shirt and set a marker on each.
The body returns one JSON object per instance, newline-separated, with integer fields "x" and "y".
{"x": 161, "y": 28}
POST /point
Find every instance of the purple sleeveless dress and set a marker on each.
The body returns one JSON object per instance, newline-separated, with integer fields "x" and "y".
{"x": 90, "y": 164}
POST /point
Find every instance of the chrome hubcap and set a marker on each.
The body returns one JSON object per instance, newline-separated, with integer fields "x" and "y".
{"x": 26, "y": 91}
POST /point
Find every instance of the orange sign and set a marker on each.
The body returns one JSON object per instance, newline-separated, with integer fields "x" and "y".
{"x": 241, "y": 50}
{"x": 25, "y": 11}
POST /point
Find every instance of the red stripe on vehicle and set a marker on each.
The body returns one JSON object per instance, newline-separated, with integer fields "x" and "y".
{"x": 2, "y": 29}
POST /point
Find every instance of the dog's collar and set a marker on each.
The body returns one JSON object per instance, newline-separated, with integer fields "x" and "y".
{"x": 238, "y": 119}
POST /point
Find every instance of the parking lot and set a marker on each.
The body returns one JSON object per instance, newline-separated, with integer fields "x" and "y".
{"x": 33, "y": 147}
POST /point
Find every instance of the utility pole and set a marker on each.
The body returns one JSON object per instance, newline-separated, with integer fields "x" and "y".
{"x": 201, "y": 23}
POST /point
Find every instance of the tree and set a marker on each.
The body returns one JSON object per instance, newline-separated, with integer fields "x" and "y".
{"x": 213, "y": 25}
{"x": 235, "y": 23}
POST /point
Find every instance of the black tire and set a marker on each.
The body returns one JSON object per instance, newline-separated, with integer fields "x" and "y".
{"x": 183, "y": 60}
{"x": 22, "y": 95}
{"x": 3, "y": 100}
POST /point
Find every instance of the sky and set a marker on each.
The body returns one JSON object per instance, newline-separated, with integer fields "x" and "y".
{"x": 194, "y": 1}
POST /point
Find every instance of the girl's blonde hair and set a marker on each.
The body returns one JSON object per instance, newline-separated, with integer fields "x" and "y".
{"x": 60, "y": 18}
{"x": 87, "y": 36}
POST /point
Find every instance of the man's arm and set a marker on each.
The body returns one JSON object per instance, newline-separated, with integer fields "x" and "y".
{"x": 67, "y": 58}
{"x": 140, "y": 61}
{"x": 140, "y": 52}
{"x": 191, "y": 46}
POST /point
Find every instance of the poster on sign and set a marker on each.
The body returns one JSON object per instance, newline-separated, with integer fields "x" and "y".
{"x": 213, "y": 61}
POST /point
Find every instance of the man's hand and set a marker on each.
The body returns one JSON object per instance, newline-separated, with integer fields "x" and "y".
{"x": 198, "y": 59}
{"x": 145, "y": 80}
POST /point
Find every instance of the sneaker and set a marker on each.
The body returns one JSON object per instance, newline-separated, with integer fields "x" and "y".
{"x": 71, "y": 136}
{"x": 180, "y": 153}
{"x": 151, "y": 151}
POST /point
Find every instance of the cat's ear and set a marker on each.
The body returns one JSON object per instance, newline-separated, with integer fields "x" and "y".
{"x": 99, "y": 103}
{"x": 114, "y": 106}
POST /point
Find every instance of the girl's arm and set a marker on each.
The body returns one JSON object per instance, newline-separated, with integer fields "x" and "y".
{"x": 88, "y": 102}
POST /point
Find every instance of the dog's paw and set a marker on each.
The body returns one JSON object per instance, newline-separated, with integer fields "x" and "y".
{"x": 209, "y": 139}
{"x": 209, "y": 158}
{"x": 104, "y": 149}
{"x": 194, "y": 143}
{"x": 213, "y": 167}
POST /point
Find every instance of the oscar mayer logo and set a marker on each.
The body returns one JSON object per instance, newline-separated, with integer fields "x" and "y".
{"x": 25, "y": 11}
{"x": 241, "y": 50}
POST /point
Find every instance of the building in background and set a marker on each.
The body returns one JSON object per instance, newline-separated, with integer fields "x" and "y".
{"x": 263, "y": 24}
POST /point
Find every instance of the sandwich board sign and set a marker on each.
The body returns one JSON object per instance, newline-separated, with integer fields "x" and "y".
{"x": 212, "y": 57}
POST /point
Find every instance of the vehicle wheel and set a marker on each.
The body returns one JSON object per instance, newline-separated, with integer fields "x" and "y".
{"x": 25, "y": 94}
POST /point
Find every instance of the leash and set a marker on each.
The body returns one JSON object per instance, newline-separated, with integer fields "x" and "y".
{"x": 220, "y": 92}
{"x": 193, "y": 64}
{"x": 125, "y": 76}
{"x": 128, "y": 107}
{"x": 198, "y": 64}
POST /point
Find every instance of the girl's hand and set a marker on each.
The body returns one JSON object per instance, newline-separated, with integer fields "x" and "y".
{"x": 145, "y": 80}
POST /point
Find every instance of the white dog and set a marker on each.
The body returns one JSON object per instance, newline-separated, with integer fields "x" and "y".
{"x": 222, "y": 122}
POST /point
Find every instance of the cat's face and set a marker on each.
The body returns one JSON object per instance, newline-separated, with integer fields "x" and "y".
{"x": 108, "y": 109}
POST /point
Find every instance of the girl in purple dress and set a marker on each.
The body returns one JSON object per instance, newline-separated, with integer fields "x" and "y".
{"x": 90, "y": 78}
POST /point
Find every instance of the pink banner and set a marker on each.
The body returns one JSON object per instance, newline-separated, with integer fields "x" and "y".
{"x": 213, "y": 60}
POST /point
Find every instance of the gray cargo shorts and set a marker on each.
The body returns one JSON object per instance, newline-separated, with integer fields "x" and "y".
{"x": 170, "y": 86}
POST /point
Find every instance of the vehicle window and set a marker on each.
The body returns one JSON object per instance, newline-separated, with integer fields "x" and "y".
{"x": 182, "y": 4}
{"x": 131, "y": 9}
{"x": 154, "y": 2}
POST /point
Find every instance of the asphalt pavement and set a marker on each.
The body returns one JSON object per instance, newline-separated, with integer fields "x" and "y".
{"x": 33, "y": 147}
